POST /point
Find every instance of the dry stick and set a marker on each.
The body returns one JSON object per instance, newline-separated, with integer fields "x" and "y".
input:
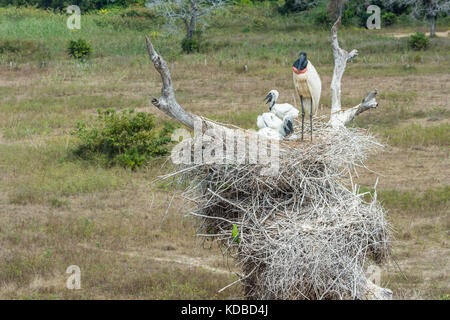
{"x": 167, "y": 210}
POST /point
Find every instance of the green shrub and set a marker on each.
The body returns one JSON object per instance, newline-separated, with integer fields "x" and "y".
{"x": 244, "y": 3}
{"x": 389, "y": 18}
{"x": 362, "y": 19}
{"x": 195, "y": 44}
{"x": 296, "y": 6}
{"x": 418, "y": 41}
{"x": 128, "y": 139}
{"x": 140, "y": 13}
{"x": 190, "y": 45}
{"x": 79, "y": 49}
{"x": 322, "y": 18}
{"x": 62, "y": 4}
{"x": 259, "y": 23}
{"x": 22, "y": 50}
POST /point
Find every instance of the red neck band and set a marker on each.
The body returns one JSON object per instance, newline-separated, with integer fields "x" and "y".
{"x": 298, "y": 71}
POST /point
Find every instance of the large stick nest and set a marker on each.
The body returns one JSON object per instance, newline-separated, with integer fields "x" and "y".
{"x": 305, "y": 233}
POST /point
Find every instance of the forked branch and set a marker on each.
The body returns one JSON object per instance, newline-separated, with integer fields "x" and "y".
{"x": 167, "y": 102}
{"x": 338, "y": 116}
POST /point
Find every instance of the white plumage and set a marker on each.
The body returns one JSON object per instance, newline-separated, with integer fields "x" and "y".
{"x": 273, "y": 127}
{"x": 308, "y": 86}
{"x": 270, "y": 134}
{"x": 268, "y": 120}
{"x": 281, "y": 110}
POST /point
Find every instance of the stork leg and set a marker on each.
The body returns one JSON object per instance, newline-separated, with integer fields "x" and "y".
{"x": 303, "y": 115}
{"x": 310, "y": 117}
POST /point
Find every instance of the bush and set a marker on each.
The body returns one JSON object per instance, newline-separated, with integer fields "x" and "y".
{"x": 62, "y": 4}
{"x": 126, "y": 139}
{"x": 22, "y": 50}
{"x": 389, "y": 18}
{"x": 79, "y": 49}
{"x": 296, "y": 6}
{"x": 259, "y": 23}
{"x": 418, "y": 41}
{"x": 244, "y": 3}
{"x": 190, "y": 45}
{"x": 195, "y": 44}
{"x": 322, "y": 18}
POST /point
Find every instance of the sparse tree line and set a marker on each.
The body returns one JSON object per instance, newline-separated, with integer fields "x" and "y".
{"x": 321, "y": 12}
{"x": 352, "y": 12}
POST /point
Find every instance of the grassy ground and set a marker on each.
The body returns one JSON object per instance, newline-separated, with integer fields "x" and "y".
{"x": 57, "y": 210}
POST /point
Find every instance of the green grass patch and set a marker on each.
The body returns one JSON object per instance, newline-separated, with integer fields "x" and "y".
{"x": 17, "y": 50}
{"x": 418, "y": 135}
{"x": 49, "y": 172}
{"x": 243, "y": 119}
{"x": 433, "y": 199}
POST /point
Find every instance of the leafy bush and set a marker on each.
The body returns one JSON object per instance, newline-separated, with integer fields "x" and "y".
{"x": 259, "y": 23}
{"x": 322, "y": 18}
{"x": 190, "y": 45}
{"x": 362, "y": 19}
{"x": 195, "y": 44}
{"x": 79, "y": 49}
{"x": 139, "y": 12}
{"x": 296, "y": 6}
{"x": 244, "y": 3}
{"x": 418, "y": 41}
{"x": 126, "y": 139}
{"x": 22, "y": 50}
{"x": 62, "y": 4}
{"x": 388, "y": 18}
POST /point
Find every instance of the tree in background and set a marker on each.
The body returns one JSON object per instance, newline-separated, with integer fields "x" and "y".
{"x": 62, "y": 4}
{"x": 335, "y": 8}
{"x": 430, "y": 9}
{"x": 297, "y": 5}
{"x": 188, "y": 11}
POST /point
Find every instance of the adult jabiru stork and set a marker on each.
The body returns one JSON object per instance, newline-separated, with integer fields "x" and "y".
{"x": 308, "y": 86}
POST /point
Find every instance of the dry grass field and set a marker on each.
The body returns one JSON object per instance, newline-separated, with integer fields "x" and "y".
{"x": 58, "y": 210}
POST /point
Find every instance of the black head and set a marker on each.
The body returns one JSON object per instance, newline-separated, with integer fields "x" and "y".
{"x": 288, "y": 126}
{"x": 302, "y": 62}
{"x": 269, "y": 98}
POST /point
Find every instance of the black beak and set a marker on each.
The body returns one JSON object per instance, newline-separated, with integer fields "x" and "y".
{"x": 302, "y": 62}
{"x": 268, "y": 98}
{"x": 290, "y": 127}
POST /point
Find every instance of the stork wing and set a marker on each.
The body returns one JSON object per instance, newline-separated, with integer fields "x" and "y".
{"x": 260, "y": 122}
{"x": 314, "y": 85}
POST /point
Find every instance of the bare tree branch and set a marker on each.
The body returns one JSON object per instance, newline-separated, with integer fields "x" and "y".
{"x": 339, "y": 117}
{"x": 189, "y": 11}
{"x": 167, "y": 102}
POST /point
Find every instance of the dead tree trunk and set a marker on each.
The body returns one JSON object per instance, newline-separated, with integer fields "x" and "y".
{"x": 168, "y": 104}
{"x": 339, "y": 117}
{"x": 433, "y": 26}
